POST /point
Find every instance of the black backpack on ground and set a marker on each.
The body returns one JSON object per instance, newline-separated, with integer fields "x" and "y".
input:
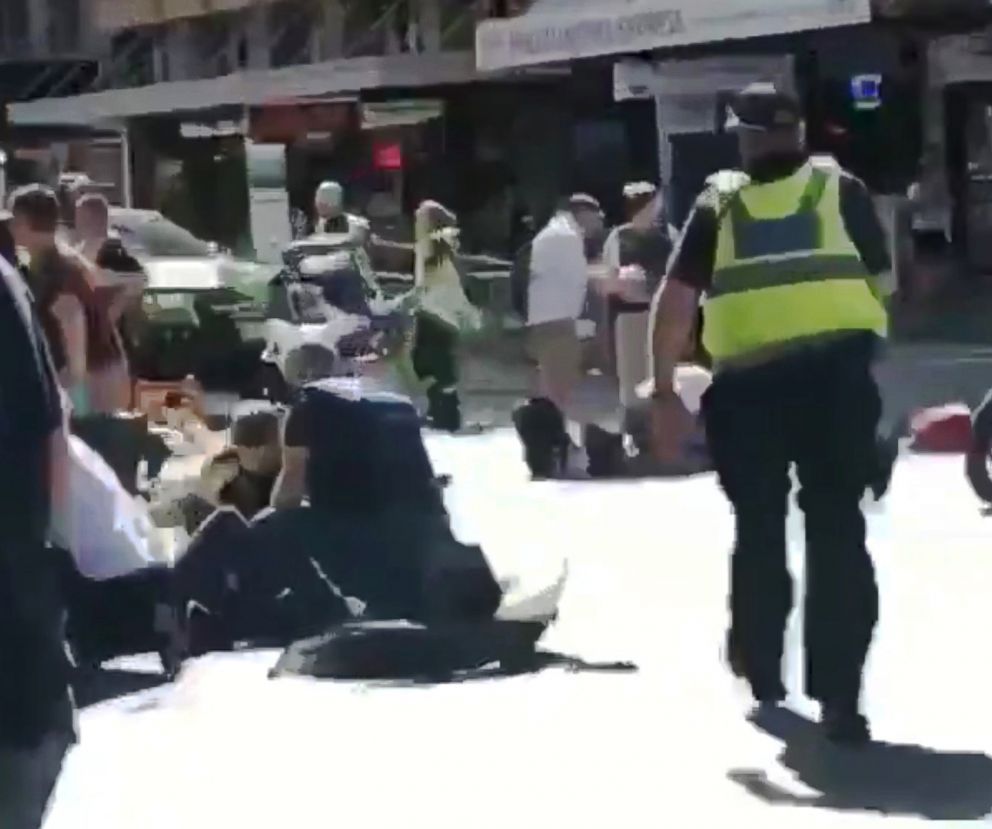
{"x": 402, "y": 650}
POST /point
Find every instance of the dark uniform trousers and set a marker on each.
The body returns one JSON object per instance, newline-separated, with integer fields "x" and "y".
{"x": 818, "y": 409}
{"x": 435, "y": 359}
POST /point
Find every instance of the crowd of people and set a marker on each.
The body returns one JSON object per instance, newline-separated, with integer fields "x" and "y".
{"x": 70, "y": 289}
{"x": 782, "y": 257}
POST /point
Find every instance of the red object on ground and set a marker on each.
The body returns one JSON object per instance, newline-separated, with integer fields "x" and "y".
{"x": 943, "y": 429}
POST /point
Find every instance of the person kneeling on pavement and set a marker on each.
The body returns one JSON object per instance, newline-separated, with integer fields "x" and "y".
{"x": 550, "y": 453}
{"x": 359, "y": 531}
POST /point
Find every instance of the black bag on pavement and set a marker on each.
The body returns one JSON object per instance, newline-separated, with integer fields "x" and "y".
{"x": 402, "y": 650}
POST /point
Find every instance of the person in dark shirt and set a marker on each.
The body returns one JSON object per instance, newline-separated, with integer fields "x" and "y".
{"x": 358, "y": 503}
{"x": 85, "y": 346}
{"x": 697, "y": 248}
{"x": 36, "y": 714}
{"x": 636, "y": 254}
{"x": 787, "y": 255}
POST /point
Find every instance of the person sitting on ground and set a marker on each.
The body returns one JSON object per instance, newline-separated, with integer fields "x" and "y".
{"x": 243, "y": 476}
{"x": 84, "y": 345}
{"x": 375, "y": 539}
{"x": 550, "y": 453}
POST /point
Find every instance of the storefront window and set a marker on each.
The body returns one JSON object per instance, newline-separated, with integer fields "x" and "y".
{"x": 64, "y": 25}
{"x": 291, "y": 27}
{"x": 378, "y": 27}
{"x": 881, "y": 145}
{"x": 979, "y": 140}
{"x": 978, "y": 182}
{"x": 132, "y": 61}
{"x": 212, "y": 44}
{"x": 13, "y": 27}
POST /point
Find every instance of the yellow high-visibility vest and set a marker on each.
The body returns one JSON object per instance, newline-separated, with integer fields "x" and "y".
{"x": 785, "y": 267}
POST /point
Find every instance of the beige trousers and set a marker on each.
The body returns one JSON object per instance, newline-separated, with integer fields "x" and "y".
{"x": 631, "y": 344}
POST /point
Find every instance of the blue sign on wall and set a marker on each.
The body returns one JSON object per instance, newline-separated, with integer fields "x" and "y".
{"x": 866, "y": 91}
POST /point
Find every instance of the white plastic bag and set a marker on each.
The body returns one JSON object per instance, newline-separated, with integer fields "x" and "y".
{"x": 108, "y": 532}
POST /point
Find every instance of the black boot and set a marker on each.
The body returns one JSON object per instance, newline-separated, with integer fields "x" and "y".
{"x": 541, "y": 429}
{"x": 844, "y": 725}
{"x": 768, "y": 691}
{"x": 605, "y": 452}
{"x": 444, "y": 410}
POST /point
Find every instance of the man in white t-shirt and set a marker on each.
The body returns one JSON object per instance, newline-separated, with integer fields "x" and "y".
{"x": 556, "y": 295}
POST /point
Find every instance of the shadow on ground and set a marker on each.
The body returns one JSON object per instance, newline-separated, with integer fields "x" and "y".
{"x": 541, "y": 660}
{"x": 905, "y": 780}
{"x": 98, "y": 686}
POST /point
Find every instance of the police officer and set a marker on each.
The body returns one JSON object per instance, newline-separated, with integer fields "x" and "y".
{"x": 786, "y": 253}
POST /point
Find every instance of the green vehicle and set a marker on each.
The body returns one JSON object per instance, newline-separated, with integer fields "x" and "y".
{"x": 202, "y": 309}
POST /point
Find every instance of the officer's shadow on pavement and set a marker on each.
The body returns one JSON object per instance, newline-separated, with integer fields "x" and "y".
{"x": 106, "y": 685}
{"x": 903, "y": 780}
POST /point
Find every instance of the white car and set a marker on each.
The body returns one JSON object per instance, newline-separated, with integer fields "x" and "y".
{"x": 203, "y": 309}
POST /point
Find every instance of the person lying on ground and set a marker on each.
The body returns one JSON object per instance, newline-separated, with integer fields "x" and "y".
{"x": 550, "y": 453}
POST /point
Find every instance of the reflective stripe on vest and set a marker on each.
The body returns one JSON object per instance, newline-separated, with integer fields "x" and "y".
{"x": 786, "y": 268}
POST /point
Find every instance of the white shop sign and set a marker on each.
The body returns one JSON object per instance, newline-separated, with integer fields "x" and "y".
{"x": 694, "y": 78}
{"x": 562, "y": 30}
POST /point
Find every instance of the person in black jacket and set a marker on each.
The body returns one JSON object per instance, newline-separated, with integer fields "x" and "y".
{"x": 36, "y": 716}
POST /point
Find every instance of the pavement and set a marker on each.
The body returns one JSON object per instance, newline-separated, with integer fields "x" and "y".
{"x": 641, "y": 725}
{"x": 910, "y": 375}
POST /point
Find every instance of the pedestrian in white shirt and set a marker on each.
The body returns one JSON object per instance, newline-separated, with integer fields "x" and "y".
{"x": 556, "y": 295}
{"x": 636, "y": 255}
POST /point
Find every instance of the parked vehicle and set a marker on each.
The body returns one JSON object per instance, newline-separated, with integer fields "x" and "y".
{"x": 173, "y": 255}
{"x": 203, "y": 309}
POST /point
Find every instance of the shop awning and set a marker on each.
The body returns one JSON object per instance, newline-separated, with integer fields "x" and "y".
{"x": 250, "y": 88}
{"x": 930, "y": 9}
{"x": 561, "y": 30}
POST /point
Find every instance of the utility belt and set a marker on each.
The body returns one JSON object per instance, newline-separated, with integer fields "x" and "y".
{"x": 860, "y": 344}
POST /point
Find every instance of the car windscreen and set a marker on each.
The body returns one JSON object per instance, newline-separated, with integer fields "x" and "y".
{"x": 156, "y": 236}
